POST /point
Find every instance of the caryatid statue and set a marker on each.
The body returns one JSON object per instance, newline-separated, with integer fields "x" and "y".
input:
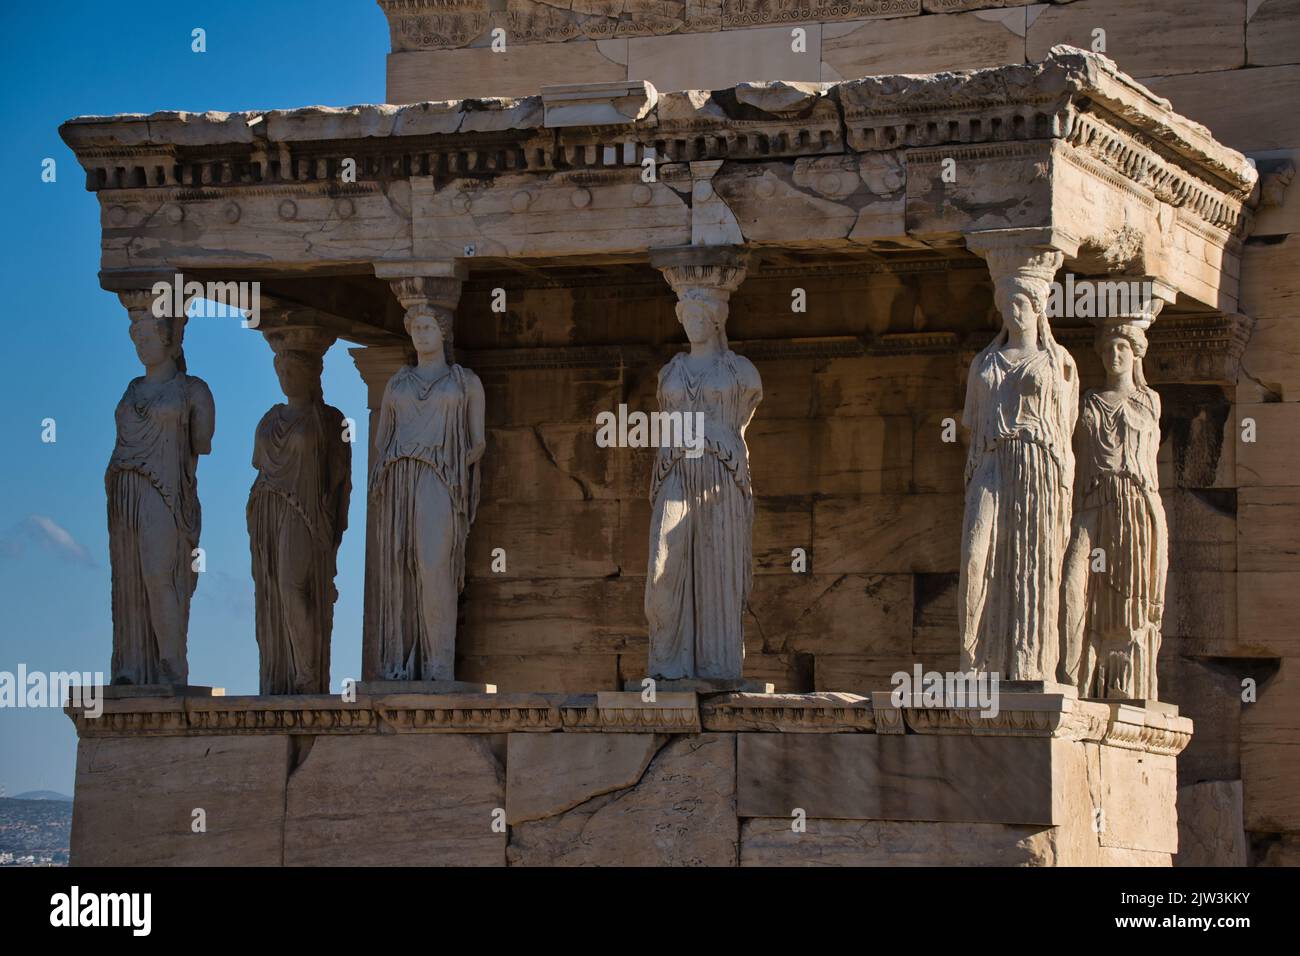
{"x": 165, "y": 420}
{"x": 1022, "y": 396}
{"x": 297, "y": 512}
{"x": 424, "y": 489}
{"x": 700, "y": 563}
{"x": 1115, "y": 568}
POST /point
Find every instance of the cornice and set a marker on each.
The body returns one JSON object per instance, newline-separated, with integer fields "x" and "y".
{"x": 1115, "y": 128}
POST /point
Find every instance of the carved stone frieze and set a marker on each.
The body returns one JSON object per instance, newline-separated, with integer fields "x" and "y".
{"x": 851, "y": 166}
{"x": 1128, "y": 726}
{"x": 436, "y": 24}
{"x": 823, "y": 713}
{"x": 452, "y": 24}
{"x": 751, "y": 13}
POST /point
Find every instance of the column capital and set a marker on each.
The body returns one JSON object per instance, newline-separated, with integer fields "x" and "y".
{"x": 427, "y": 286}
{"x": 1004, "y": 244}
{"x": 426, "y": 268}
{"x": 1119, "y": 299}
{"x": 425, "y": 282}
{"x": 145, "y": 293}
{"x": 137, "y": 302}
{"x": 299, "y": 338}
{"x": 1022, "y": 261}
{"x": 716, "y": 269}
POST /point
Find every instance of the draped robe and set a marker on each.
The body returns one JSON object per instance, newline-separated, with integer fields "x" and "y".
{"x": 297, "y": 513}
{"x": 1113, "y": 614}
{"x": 700, "y": 562}
{"x": 424, "y": 494}
{"x": 153, "y": 524}
{"x": 1019, "y": 474}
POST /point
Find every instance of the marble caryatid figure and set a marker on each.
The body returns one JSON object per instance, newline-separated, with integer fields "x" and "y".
{"x": 424, "y": 488}
{"x": 165, "y": 420}
{"x": 700, "y": 567}
{"x": 297, "y": 512}
{"x": 1022, "y": 397}
{"x": 1114, "y": 587}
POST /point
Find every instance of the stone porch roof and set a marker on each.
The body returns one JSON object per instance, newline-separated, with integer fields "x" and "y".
{"x": 1071, "y": 146}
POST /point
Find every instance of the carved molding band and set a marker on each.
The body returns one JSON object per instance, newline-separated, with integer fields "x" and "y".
{"x": 1113, "y": 724}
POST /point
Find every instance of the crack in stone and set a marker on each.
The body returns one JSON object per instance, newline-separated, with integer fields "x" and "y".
{"x": 550, "y": 455}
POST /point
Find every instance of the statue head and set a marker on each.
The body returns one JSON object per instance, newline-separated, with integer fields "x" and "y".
{"x": 702, "y": 312}
{"x": 1121, "y": 347}
{"x": 158, "y": 340}
{"x": 1022, "y": 303}
{"x": 430, "y": 330}
{"x": 299, "y": 374}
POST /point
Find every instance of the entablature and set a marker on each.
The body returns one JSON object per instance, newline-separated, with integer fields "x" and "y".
{"x": 1068, "y": 144}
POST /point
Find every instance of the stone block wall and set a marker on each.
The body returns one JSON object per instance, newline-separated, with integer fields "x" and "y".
{"x": 846, "y": 451}
{"x": 712, "y": 44}
{"x": 848, "y": 463}
{"x": 582, "y": 780}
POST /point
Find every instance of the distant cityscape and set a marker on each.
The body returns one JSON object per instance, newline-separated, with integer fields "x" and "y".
{"x": 35, "y": 828}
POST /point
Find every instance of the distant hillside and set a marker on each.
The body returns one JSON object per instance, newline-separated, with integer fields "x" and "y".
{"x": 42, "y": 795}
{"x": 35, "y": 832}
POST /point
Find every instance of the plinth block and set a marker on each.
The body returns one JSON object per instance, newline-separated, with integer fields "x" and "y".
{"x": 134, "y": 691}
{"x": 610, "y": 779}
{"x": 705, "y": 686}
{"x": 375, "y": 687}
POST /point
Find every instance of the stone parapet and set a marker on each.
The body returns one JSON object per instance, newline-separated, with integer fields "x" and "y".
{"x": 573, "y": 779}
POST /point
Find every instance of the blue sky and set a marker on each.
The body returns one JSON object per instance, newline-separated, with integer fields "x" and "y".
{"x": 67, "y": 355}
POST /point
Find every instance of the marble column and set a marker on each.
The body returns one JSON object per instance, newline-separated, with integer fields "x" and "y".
{"x": 297, "y": 513}
{"x": 1022, "y": 396}
{"x": 428, "y": 437}
{"x": 1117, "y": 561}
{"x": 164, "y": 422}
{"x": 700, "y": 564}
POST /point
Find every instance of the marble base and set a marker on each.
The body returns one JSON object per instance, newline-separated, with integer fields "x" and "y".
{"x": 424, "y": 687}
{"x": 1157, "y": 706}
{"x": 599, "y": 779}
{"x": 704, "y": 686}
{"x": 1038, "y": 687}
{"x": 133, "y": 691}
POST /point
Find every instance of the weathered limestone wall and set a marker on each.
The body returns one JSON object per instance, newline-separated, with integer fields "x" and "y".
{"x": 711, "y": 44}
{"x": 688, "y": 44}
{"x": 1238, "y": 589}
{"x": 555, "y": 780}
{"x": 847, "y": 461}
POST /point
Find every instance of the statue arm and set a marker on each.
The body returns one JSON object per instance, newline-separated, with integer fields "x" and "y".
{"x": 970, "y": 411}
{"x": 751, "y": 391}
{"x": 1070, "y": 414}
{"x": 203, "y": 417}
{"x": 970, "y": 418}
{"x": 340, "y": 478}
{"x": 475, "y": 405}
{"x": 384, "y": 428}
{"x": 1080, "y": 441}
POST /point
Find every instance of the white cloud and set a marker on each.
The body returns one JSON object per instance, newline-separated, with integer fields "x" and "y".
{"x": 47, "y": 533}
